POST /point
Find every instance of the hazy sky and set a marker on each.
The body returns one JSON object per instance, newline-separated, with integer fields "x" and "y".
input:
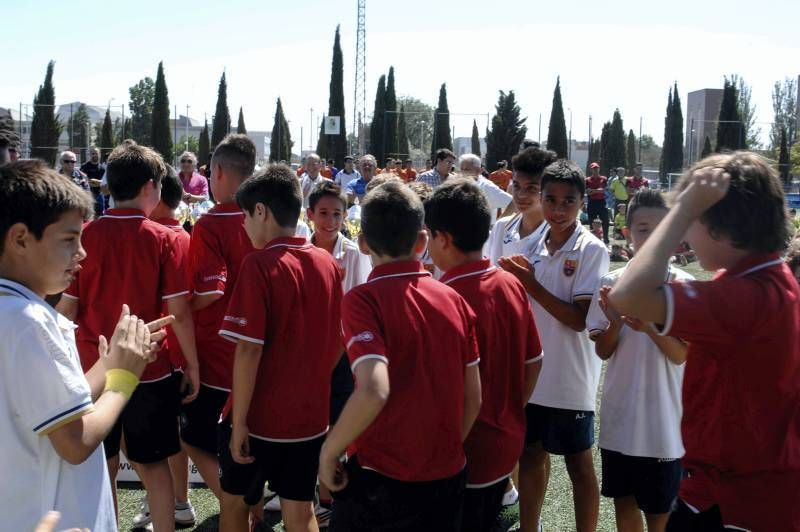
{"x": 609, "y": 54}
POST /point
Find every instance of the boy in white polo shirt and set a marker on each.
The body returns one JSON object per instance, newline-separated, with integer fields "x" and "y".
{"x": 640, "y": 438}
{"x": 562, "y": 274}
{"x": 53, "y": 419}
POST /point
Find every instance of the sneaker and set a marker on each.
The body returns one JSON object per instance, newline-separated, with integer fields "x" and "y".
{"x": 184, "y": 514}
{"x": 273, "y": 505}
{"x": 323, "y": 514}
{"x": 142, "y": 519}
{"x": 511, "y": 497}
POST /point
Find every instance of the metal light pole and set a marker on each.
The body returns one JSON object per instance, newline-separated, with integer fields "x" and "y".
{"x": 186, "y": 129}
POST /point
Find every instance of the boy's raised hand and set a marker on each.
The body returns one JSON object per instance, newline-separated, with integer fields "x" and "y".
{"x": 519, "y": 267}
{"x": 707, "y": 186}
{"x": 606, "y": 306}
{"x": 129, "y": 345}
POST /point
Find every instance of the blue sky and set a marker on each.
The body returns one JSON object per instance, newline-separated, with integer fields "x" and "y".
{"x": 609, "y": 54}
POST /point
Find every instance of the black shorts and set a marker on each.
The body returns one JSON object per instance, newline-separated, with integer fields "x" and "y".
{"x": 199, "y": 419}
{"x": 372, "y": 502}
{"x": 341, "y": 387}
{"x": 560, "y": 431}
{"x": 684, "y": 519}
{"x": 653, "y": 482}
{"x": 290, "y": 468}
{"x": 482, "y": 506}
{"x": 148, "y": 423}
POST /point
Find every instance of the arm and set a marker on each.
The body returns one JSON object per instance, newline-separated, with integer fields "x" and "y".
{"x": 68, "y": 307}
{"x": 201, "y": 301}
{"x": 639, "y": 292}
{"x": 672, "y": 348}
{"x": 472, "y": 398}
{"x": 605, "y": 343}
{"x": 245, "y": 367}
{"x": 183, "y": 327}
{"x": 361, "y": 409}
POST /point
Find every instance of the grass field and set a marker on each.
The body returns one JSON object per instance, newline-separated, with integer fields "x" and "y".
{"x": 557, "y": 514}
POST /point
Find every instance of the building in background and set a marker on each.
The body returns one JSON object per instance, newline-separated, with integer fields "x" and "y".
{"x": 702, "y": 114}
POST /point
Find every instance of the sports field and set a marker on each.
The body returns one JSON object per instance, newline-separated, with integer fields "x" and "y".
{"x": 557, "y": 514}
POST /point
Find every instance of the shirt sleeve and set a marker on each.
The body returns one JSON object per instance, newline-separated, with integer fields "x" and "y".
{"x": 173, "y": 268}
{"x": 204, "y": 187}
{"x": 362, "y": 333}
{"x": 357, "y": 268}
{"x": 246, "y": 317}
{"x": 498, "y": 198}
{"x": 592, "y": 266}
{"x": 48, "y": 389}
{"x": 596, "y": 320}
{"x": 472, "y": 355}
{"x": 208, "y": 270}
{"x": 533, "y": 343}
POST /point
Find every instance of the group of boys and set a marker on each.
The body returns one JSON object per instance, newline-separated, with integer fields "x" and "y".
{"x": 455, "y": 382}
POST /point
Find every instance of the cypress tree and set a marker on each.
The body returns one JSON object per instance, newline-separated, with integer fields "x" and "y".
{"x": 441, "y": 124}
{"x": 594, "y": 154}
{"x": 280, "y": 144}
{"x": 203, "y": 145}
{"x": 240, "y": 127}
{"x": 106, "y": 137}
{"x": 615, "y": 147}
{"x": 605, "y": 138}
{"x": 402, "y": 134}
{"x": 664, "y": 163}
{"x": 706, "y": 148}
{"x": 676, "y": 134}
{"x": 476, "y": 139}
{"x": 222, "y": 117}
{"x": 45, "y": 127}
{"x": 508, "y": 130}
{"x": 730, "y": 134}
{"x": 159, "y": 134}
{"x": 557, "y": 132}
{"x": 391, "y": 140}
{"x": 376, "y": 128}
{"x": 336, "y": 145}
{"x": 322, "y": 141}
{"x": 630, "y": 152}
{"x": 783, "y": 158}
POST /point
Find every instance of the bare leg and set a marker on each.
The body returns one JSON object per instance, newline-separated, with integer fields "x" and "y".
{"x": 113, "y": 468}
{"x": 179, "y": 469}
{"x": 208, "y": 466}
{"x": 534, "y": 473}
{"x": 585, "y": 492}
{"x": 298, "y": 516}
{"x": 656, "y": 522}
{"x": 158, "y": 483}
{"x": 234, "y": 513}
{"x": 629, "y": 518}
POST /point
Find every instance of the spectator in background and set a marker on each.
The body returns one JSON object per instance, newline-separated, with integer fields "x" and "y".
{"x": 499, "y": 200}
{"x": 94, "y": 170}
{"x": 636, "y": 181}
{"x": 436, "y": 176}
{"x": 409, "y": 174}
{"x": 428, "y": 165}
{"x": 596, "y": 192}
{"x": 502, "y": 176}
{"x": 68, "y": 161}
{"x": 346, "y": 174}
{"x": 357, "y": 188}
{"x": 312, "y": 176}
{"x": 619, "y": 188}
{"x": 195, "y": 185}
{"x": 332, "y": 168}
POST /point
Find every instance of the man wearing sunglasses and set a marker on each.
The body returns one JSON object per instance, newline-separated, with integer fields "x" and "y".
{"x": 195, "y": 185}
{"x": 68, "y": 161}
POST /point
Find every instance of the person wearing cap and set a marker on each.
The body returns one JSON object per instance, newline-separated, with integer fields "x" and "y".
{"x": 636, "y": 181}
{"x": 596, "y": 192}
{"x": 347, "y": 174}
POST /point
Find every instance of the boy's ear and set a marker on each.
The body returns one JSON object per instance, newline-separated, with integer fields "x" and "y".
{"x": 309, "y": 213}
{"x": 262, "y": 212}
{"x": 17, "y": 238}
{"x": 363, "y": 247}
{"x": 422, "y": 241}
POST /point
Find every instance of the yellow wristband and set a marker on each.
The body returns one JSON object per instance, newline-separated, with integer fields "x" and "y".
{"x": 121, "y": 381}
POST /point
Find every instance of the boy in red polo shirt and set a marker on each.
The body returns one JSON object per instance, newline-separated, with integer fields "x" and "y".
{"x": 412, "y": 347}
{"x": 218, "y": 247}
{"x": 135, "y": 261}
{"x": 284, "y": 318}
{"x": 457, "y": 217}
{"x": 596, "y": 192}
{"x": 741, "y": 387}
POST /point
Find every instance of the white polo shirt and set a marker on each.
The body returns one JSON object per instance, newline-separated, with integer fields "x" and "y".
{"x": 355, "y": 266}
{"x": 343, "y": 178}
{"x": 505, "y": 240}
{"x": 302, "y": 230}
{"x": 42, "y": 388}
{"x": 497, "y": 197}
{"x": 641, "y": 406}
{"x": 307, "y": 185}
{"x": 570, "y": 370}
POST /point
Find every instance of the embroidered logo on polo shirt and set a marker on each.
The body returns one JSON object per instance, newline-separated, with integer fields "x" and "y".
{"x": 365, "y": 336}
{"x": 569, "y": 267}
{"x": 241, "y": 322}
{"x": 215, "y": 278}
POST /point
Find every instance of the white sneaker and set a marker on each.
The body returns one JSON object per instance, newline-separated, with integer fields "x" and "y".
{"x": 273, "y": 505}
{"x": 511, "y": 497}
{"x": 142, "y": 519}
{"x": 184, "y": 514}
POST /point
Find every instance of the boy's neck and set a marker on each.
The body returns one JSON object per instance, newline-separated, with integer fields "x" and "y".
{"x": 13, "y": 272}
{"x": 327, "y": 245}
{"x": 459, "y": 258}
{"x": 134, "y": 203}
{"x": 380, "y": 260}
{"x": 556, "y": 241}
{"x": 531, "y": 222}
{"x": 282, "y": 232}
{"x": 162, "y": 211}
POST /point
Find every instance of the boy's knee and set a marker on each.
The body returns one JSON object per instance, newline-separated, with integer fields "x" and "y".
{"x": 580, "y": 465}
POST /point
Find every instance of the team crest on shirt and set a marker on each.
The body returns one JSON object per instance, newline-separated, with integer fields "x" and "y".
{"x": 365, "y": 336}
{"x": 241, "y": 322}
{"x": 569, "y": 267}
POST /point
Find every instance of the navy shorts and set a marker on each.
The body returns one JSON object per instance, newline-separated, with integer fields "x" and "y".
{"x": 199, "y": 419}
{"x": 560, "y": 431}
{"x": 653, "y": 482}
{"x": 290, "y": 468}
{"x": 482, "y": 506}
{"x": 341, "y": 387}
{"x": 372, "y": 502}
{"x": 149, "y": 423}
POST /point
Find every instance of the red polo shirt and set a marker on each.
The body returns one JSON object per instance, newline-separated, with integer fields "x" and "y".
{"x": 635, "y": 183}
{"x": 425, "y": 332}
{"x": 508, "y": 340}
{"x": 218, "y": 247}
{"x": 182, "y": 241}
{"x": 596, "y": 181}
{"x": 132, "y": 260}
{"x": 741, "y": 392}
{"x": 287, "y": 299}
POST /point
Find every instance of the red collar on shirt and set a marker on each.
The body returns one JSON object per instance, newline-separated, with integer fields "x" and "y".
{"x": 125, "y": 212}
{"x": 473, "y": 267}
{"x": 400, "y": 267}
{"x": 748, "y": 263}
{"x": 293, "y": 241}
{"x": 228, "y": 207}
{"x": 169, "y": 222}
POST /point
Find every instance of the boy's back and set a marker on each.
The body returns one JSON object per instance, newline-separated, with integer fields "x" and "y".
{"x": 288, "y": 298}
{"x": 130, "y": 260}
{"x": 508, "y": 340}
{"x": 182, "y": 244}
{"x": 219, "y": 244}
{"x": 426, "y": 334}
